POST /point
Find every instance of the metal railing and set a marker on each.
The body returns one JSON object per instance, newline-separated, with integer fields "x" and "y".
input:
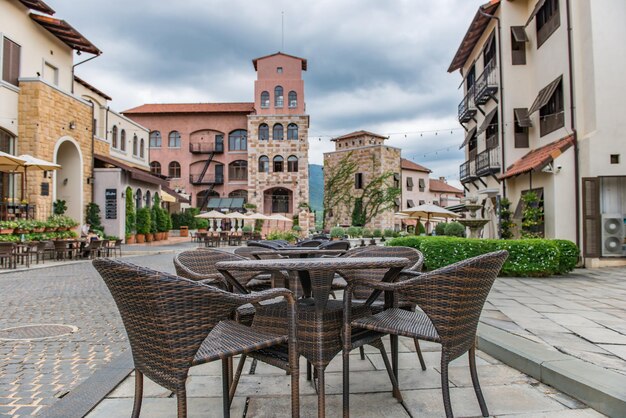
{"x": 486, "y": 83}
{"x": 467, "y": 107}
{"x": 207, "y": 179}
{"x": 467, "y": 170}
{"x": 488, "y": 161}
{"x": 205, "y": 147}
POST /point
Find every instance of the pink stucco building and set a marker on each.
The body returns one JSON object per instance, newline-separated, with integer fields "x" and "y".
{"x": 253, "y": 152}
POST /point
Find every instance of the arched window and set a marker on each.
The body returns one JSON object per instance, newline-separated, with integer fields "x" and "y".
{"x": 155, "y": 168}
{"x": 174, "y": 140}
{"x": 278, "y": 164}
{"x": 278, "y": 132}
{"x": 135, "y": 145}
{"x": 238, "y": 170}
{"x": 238, "y": 140}
{"x": 142, "y": 145}
{"x": 292, "y": 131}
{"x": 293, "y": 99}
{"x": 114, "y": 136}
{"x": 265, "y": 100}
{"x": 148, "y": 199}
{"x": 278, "y": 96}
{"x": 264, "y": 132}
{"x": 155, "y": 139}
{"x": 239, "y": 193}
{"x": 292, "y": 164}
{"x": 264, "y": 164}
{"x": 173, "y": 170}
{"x": 123, "y": 140}
{"x": 138, "y": 199}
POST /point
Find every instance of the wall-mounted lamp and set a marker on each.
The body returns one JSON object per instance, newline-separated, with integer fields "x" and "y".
{"x": 72, "y": 125}
{"x": 45, "y": 174}
{"x": 89, "y": 180}
{"x": 65, "y": 182}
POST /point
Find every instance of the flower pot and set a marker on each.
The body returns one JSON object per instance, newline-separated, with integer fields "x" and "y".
{"x": 50, "y": 229}
{"x": 62, "y": 228}
{"x": 130, "y": 239}
{"x": 39, "y": 230}
{"x": 166, "y": 235}
{"x": 202, "y": 230}
{"x": 21, "y": 231}
{"x": 6, "y": 231}
{"x": 141, "y": 238}
{"x": 149, "y": 237}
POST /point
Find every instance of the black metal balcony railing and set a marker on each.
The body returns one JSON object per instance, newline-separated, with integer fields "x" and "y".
{"x": 198, "y": 179}
{"x": 205, "y": 147}
{"x": 467, "y": 108}
{"x": 486, "y": 83}
{"x": 467, "y": 170}
{"x": 488, "y": 162}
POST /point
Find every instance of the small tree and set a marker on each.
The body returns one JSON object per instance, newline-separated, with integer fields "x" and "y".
{"x": 92, "y": 216}
{"x": 454, "y": 229}
{"x": 130, "y": 212}
{"x": 506, "y": 224}
{"x": 144, "y": 221}
{"x": 532, "y": 216}
{"x": 59, "y": 207}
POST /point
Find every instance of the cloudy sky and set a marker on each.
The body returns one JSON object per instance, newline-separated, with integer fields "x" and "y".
{"x": 373, "y": 65}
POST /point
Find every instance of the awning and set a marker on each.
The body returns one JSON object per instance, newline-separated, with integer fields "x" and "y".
{"x": 522, "y": 117}
{"x": 38, "y": 5}
{"x": 177, "y": 196}
{"x": 537, "y": 159}
{"x": 225, "y": 203}
{"x": 166, "y": 197}
{"x": 409, "y": 182}
{"x": 396, "y": 176}
{"x": 410, "y": 203}
{"x": 422, "y": 184}
{"x": 487, "y": 121}
{"x": 135, "y": 173}
{"x": 519, "y": 34}
{"x": 469, "y": 136}
{"x": 538, "y": 6}
{"x": 544, "y": 95}
{"x": 66, "y": 34}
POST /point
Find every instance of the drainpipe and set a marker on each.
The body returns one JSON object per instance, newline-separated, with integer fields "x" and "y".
{"x": 573, "y": 119}
{"x": 82, "y": 62}
{"x": 501, "y": 112}
{"x": 93, "y": 159}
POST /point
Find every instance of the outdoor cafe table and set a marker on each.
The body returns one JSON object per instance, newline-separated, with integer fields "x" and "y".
{"x": 297, "y": 252}
{"x": 319, "y": 319}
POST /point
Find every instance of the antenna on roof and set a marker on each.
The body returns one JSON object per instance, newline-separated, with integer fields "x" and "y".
{"x": 282, "y": 25}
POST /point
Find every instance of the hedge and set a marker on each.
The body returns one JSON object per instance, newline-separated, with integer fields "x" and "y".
{"x": 527, "y": 257}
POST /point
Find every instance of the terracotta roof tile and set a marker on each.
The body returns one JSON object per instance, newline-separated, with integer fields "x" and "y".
{"x": 539, "y": 158}
{"x": 66, "y": 34}
{"x": 439, "y": 186}
{"x": 192, "y": 108}
{"x": 359, "y": 133}
{"x": 410, "y": 165}
{"x": 38, "y": 5}
{"x": 474, "y": 32}
{"x": 90, "y": 87}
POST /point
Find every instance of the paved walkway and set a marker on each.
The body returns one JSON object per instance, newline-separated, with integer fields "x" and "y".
{"x": 582, "y": 314}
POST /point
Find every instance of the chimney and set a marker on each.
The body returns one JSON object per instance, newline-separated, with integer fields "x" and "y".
{"x": 443, "y": 179}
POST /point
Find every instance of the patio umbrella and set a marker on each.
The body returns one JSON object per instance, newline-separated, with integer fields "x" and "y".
{"x": 256, "y": 216}
{"x": 429, "y": 210}
{"x": 10, "y": 162}
{"x": 280, "y": 218}
{"x": 211, "y": 216}
{"x": 33, "y": 163}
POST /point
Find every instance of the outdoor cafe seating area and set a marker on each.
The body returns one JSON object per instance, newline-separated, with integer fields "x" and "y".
{"x": 277, "y": 303}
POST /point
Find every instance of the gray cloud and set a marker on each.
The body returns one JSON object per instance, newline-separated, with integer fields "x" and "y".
{"x": 373, "y": 65}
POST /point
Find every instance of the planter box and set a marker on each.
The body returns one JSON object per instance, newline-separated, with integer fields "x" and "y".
{"x": 6, "y": 231}
{"x": 50, "y": 229}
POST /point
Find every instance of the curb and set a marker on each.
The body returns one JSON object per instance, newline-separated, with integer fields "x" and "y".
{"x": 601, "y": 389}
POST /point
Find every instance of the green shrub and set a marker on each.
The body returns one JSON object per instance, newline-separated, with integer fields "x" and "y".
{"x": 296, "y": 228}
{"x": 377, "y": 233}
{"x": 353, "y": 231}
{"x": 568, "y": 255}
{"x": 506, "y": 224}
{"x": 59, "y": 207}
{"x": 367, "y": 233}
{"x": 420, "y": 229}
{"x": 201, "y": 223}
{"x": 131, "y": 224}
{"x": 163, "y": 225}
{"x": 93, "y": 216}
{"x": 246, "y": 228}
{"x": 337, "y": 232}
{"x": 527, "y": 257}
{"x": 144, "y": 221}
{"x": 283, "y": 235}
{"x": 454, "y": 229}
{"x": 440, "y": 229}
{"x": 389, "y": 233}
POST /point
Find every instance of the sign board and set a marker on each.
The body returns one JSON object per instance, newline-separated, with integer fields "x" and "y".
{"x": 110, "y": 204}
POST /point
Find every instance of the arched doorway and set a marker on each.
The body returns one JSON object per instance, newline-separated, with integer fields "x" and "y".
{"x": 138, "y": 199}
{"x": 277, "y": 200}
{"x": 69, "y": 179}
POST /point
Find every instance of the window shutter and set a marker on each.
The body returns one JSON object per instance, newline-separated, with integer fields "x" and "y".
{"x": 11, "y": 62}
{"x": 591, "y": 217}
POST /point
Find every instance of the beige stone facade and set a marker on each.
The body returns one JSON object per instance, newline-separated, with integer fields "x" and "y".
{"x": 373, "y": 158}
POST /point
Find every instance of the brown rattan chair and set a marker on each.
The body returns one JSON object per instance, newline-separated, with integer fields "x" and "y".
{"x": 7, "y": 252}
{"x": 174, "y": 323}
{"x": 335, "y": 245}
{"x": 309, "y": 243}
{"x": 451, "y": 299}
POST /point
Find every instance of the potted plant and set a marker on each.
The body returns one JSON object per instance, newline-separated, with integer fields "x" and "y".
{"x": 162, "y": 223}
{"x": 130, "y": 227}
{"x": 249, "y": 207}
{"x": 143, "y": 224}
{"x": 39, "y": 227}
{"x": 7, "y": 227}
{"x": 23, "y": 227}
{"x": 337, "y": 233}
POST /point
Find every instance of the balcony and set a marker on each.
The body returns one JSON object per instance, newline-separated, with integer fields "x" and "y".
{"x": 200, "y": 180}
{"x": 468, "y": 170}
{"x": 206, "y": 148}
{"x": 488, "y": 162}
{"x": 486, "y": 84}
{"x": 467, "y": 108}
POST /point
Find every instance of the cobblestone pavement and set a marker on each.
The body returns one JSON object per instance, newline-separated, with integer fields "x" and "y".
{"x": 582, "y": 314}
{"x": 35, "y": 373}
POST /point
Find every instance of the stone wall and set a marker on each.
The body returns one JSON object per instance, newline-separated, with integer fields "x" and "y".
{"x": 296, "y": 182}
{"x": 44, "y": 120}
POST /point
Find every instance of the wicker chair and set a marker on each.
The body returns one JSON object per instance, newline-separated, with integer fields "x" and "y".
{"x": 309, "y": 243}
{"x": 451, "y": 299}
{"x": 7, "y": 252}
{"x": 174, "y": 323}
{"x": 335, "y": 245}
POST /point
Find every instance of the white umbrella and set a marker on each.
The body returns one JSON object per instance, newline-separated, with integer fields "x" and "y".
{"x": 429, "y": 210}
{"x": 10, "y": 162}
{"x": 26, "y": 162}
{"x": 256, "y": 216}
{"x": 210, "y": 216}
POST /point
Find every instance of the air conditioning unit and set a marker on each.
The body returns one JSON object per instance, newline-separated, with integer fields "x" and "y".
{"x": 612, "y": 235}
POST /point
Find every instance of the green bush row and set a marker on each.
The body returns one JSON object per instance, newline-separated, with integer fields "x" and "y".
{"x": 527, "y": 257}
{"x": 39, "y": 236}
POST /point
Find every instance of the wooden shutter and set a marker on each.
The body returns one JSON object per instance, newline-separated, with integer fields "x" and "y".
{"x": 10, "y": 62}
{"x": 591, "y": 217}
